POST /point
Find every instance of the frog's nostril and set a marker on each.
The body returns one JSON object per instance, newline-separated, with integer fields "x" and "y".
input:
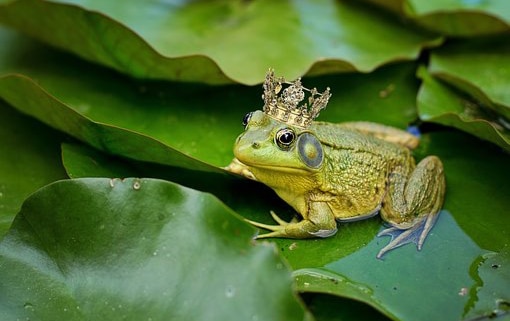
{"x": 255, "y": 145}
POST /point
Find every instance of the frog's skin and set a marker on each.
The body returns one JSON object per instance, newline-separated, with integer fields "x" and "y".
{"x": 341, "y": 172}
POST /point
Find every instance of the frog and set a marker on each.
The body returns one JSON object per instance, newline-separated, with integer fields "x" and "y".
{"x": 332, "y": 173}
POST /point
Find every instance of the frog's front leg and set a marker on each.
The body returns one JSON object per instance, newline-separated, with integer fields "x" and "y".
{"x": 319, "y": 222}
{"x": 237, "y": 167}
{"x": 412, "y": 203}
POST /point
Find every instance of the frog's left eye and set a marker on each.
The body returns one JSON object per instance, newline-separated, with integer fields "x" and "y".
{"x": 246, "y": 119}
{"x": 284, "y": 138}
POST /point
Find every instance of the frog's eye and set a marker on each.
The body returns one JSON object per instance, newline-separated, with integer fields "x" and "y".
{"x": 284, "y": 138}
{"x": 246, "y": 119}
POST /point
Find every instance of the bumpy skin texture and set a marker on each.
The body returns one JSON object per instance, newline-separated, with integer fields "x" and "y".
{"x": 342, "y": 172}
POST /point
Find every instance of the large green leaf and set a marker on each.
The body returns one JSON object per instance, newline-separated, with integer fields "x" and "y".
{"x": 492, "y": 297}
{"x": 137, "y": 249}
{"x": 200, "y": 40}
{"x": 459, "y": 18}
{"x": 151, "y": 129}
{"x": 443, "y": 104}
{"x": 394, "y": 284}
{"x": 29, "y": 97}
{"x": 199, "y": 121}
{"x": 479, "y": 68}
{"x": 29, "y": 159}
{"x": 463, "y": 18}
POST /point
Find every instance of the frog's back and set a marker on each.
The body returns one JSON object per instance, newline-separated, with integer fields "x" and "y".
{"x": 357, "y": 168}
{"x": 338, "y": 136}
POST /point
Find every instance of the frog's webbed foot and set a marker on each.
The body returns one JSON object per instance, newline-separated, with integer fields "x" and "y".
{"x": 415, "y": 234}
{"x": 324, "y": 225}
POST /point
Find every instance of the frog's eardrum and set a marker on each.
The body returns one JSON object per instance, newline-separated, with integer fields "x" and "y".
{"x": 310, "y": 150}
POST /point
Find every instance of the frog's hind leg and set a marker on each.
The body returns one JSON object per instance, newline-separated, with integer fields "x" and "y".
{"x": 401, "y": 236}
{"x": 413, "y": 203}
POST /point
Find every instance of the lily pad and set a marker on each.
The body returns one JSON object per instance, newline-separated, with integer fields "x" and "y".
{"x": 458, "y": 18}
{"x": 194, "y": 120}
{"x": 491, "y": 298}
{"x": 440, "y": 103}
{"x": 140, "y": 249}
{"x": 30, "y": 159}
{"x": 106, "y": 137}
{"x": 479, "y": 68}
{"x": 182, "y": 132}
{"x": 391, "y": 285}
{"x": 220, "y": 41}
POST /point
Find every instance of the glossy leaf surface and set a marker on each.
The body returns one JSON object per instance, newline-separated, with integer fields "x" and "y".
{"x": 479, "y": 68}
{"x": 29, "y": 159}
{"x": 174, "y": 119}
{"x": 219, "y": 41}
{"x": 183, "y": 132}
{"x": 137, "y": 249}
{"x": 442, "y": 104}
{"x": 457, "y": 18}
{"x": 491, "y": 298}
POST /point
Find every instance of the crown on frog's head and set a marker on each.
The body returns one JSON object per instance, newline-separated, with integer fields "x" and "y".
{"x": 285, "y": 107}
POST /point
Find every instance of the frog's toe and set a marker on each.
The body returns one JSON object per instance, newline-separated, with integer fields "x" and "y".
{"x": 276, "y": 230}
{"x": 278, "y": 219}
{"x": 415, "y": 234}
{"x": 265, "y": 226}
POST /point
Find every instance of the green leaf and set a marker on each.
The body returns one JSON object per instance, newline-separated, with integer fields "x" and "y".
{"x": 140, "y": 249}
{"x": 491, "y": 298}
{"x": 177, "y": 131}
{"x": 479, "y": 68}
{"x": 457, "y": 18}
{"x": 220, "y": 41}
{"x": 391, "y": 284}
{"x": 29, "y": 160}
{"x": 463, "y": 18}
{"x": 83, "y": 161}
{"x": 39, "y": 104}
{"x": 166, "y": 120}
{"x": 442, "y": 104}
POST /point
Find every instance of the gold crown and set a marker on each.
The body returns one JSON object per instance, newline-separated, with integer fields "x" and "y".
{"x": 285, "y": 107}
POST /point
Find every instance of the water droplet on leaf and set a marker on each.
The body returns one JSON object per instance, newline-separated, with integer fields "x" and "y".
{"x": 230, "y": 291}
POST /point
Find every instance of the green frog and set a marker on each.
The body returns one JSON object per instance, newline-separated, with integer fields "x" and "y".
{"x": 332, "y": 172}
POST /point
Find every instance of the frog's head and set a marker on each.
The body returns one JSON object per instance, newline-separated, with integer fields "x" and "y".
{"x": 277, "y": 142}
{"x": 269, "y": 145}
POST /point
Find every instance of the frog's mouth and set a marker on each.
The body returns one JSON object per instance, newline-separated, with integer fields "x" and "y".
{"x": 257, "y": 166}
